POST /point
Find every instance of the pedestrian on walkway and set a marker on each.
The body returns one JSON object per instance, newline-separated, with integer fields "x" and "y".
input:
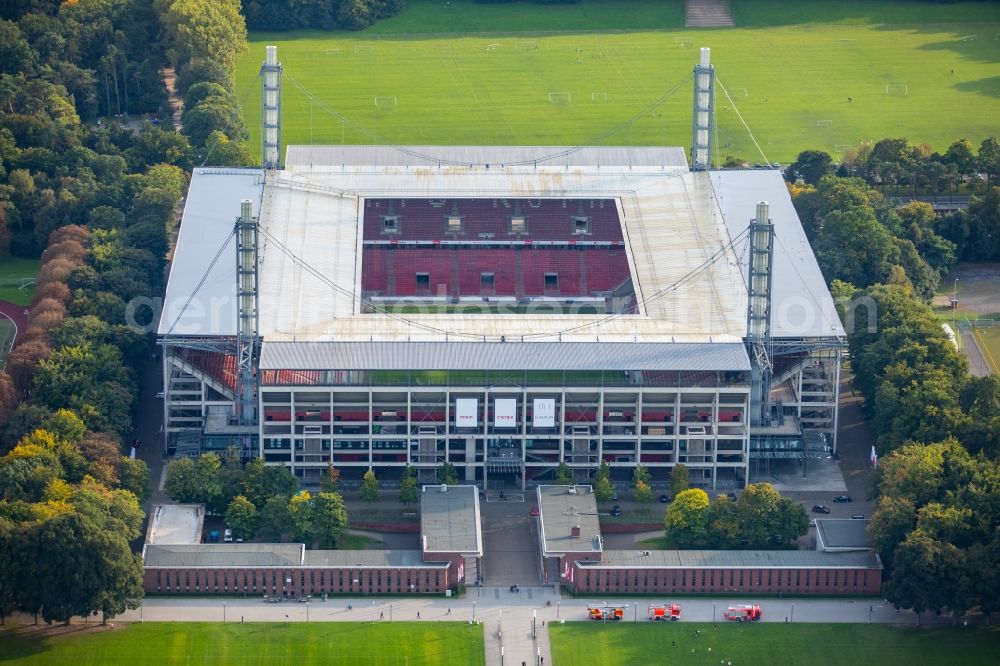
{"x": 418, "y": 615}
{"x": 449, "y": 612}
{"x": 381, "y": 615}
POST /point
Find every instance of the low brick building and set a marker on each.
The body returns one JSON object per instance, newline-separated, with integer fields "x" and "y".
{"x": 571, "y": 544}
{"x": 176, "y": 562}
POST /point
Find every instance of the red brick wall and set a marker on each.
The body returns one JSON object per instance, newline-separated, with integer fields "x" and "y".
{"x": 764, "y": 581}
{"x": 275, "y": 581}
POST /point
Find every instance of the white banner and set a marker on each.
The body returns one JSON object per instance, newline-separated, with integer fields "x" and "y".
{"x": 544, "y": 415}
{"x": 466, "y": 412}
{"x": 505, "y": 412}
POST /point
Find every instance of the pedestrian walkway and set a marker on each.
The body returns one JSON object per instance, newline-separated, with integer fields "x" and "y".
{"x": 708, "y": 14}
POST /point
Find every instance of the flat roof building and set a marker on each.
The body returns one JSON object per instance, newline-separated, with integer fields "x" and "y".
{"x": 175, "y": 524}
{"x": 838, "y": 535}
{"x": 450, "y": 522}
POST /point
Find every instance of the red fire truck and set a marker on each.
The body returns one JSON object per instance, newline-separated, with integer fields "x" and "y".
{"x": 747, "y": 613}
{"x": 613, "y": 612}
{"x": 664, "y": 612}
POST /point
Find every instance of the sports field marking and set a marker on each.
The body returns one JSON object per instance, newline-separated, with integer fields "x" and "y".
{"x": 385, "y": 101}
{"x": 560, "y": 98}
{"x": 824, "y": 123}
{"x": 969, "y": 38}
{"x": 985, "y": 348}
{"x": 598, "y": 97}
{"x": 897, "y": 89}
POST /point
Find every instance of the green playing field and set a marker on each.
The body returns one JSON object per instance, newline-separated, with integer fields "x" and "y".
{"x": 807, "y": 85}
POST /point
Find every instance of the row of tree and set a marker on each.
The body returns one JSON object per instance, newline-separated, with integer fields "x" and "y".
{"x": 761, "y": 517}
{"x": 69, "y": 508}
{"x": 322, "y": 14}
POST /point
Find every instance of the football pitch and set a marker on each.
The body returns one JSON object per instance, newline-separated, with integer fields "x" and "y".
{"x": 524, "y": 81}
{"x": 423, "y": 644}
{"x": 771, "y": 644}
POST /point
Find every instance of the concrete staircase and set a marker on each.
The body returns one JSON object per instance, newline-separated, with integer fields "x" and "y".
{"x": 707, "y": 14}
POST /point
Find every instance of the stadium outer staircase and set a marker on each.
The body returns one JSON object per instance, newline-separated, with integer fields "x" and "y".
{"x": 707, "y": 14}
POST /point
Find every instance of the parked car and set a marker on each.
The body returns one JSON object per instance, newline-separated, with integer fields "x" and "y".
{"x": 534, "y": 510}
{"x": 819, "y": 508}
{"x": 616, "y": 510}
{"x": 614, "y": 495}
{"x": 842, "y": 498}
{"x": 665, "y": 499}
{"x": 731, "y": 496}
{"x": 858, "y": 516}
{"x": 227, "y": 536}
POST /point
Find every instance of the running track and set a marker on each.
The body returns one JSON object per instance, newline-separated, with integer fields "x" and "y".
{"x": 16, "y": 314}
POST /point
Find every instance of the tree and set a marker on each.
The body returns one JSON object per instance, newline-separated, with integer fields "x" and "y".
{"x": 300, "y": 511}
{"x": 408, "y": 490}
{"x": 989, "y": 158}
{"x": 447, "y": 474}
{"x": 330, "y": 482}
{"x": 724, "y": 522}
{"x": 329, "y": 519}
{"x": 133, "y": 476}
{"x": 563, "y": 476}
{"x": 811, "y": 166}
{"x": 640, "y": 474}
{"x": 757, "y": 508}
{"x": 369, "y": 487}
{"x": 274, "y": 518}
{"x": 194, "y": 480}
{"x": 241, "y": 516}
{"x": 679, "y": 478}
{"x": 261, "y": 482}
{"x": 603, "y": 471}
{"x": 687, "y": 518}
{"x": 925, "y": 573}
{"x": 603, "y": 490}
{"x": 960, "y": 153}
{"x": 65, "y": 425}
{"x": 643, "y": 493}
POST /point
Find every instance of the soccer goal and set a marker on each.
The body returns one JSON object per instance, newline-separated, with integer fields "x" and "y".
{"x": 843, "y": 147}
{"x": 559, "y": 98}
{"x": 492, "y": 47}
{"x": 525, "y": 46}
{"x": 898, "y": 90}
{"x": 738, "y": 93}
{"x": 824, "y": 123}
{"x": 968, "y": 38}
{"x": 364, "y": 49}
{"x": 684, "y": 43}
{"x": 598, "y": 97}
{"x": 387, "y": 102}
{"x": 332, "y": 52}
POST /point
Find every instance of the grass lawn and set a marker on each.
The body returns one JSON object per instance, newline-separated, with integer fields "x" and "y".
{"x": 470, "y": 73}
{"x": 771, "y": 644}
{"x": 357, "y": 542}
{"x": 989, "y": 342}
{"x": 239, "y": 644}
{"x": 12, "y": 269}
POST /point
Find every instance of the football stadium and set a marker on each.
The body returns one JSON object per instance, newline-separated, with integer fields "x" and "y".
{"x": 504, "y": 309}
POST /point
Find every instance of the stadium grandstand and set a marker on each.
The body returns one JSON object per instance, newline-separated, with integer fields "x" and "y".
{"x": 503, "y": 309}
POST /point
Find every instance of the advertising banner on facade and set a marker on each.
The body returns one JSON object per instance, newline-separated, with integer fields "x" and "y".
{"x": 505, "y": 412}
{"x": 466, "y": 412}
{"x": 544, "y": 415}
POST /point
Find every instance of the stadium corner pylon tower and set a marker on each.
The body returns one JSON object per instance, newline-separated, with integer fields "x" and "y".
{"x": 501, "y": 308}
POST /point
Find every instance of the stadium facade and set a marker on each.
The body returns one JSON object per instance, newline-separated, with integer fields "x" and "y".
{"x": 503, "y": 309}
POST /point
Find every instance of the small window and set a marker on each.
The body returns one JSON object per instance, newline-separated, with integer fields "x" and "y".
{"x": 551, "y": 281}
{"x": 581, "y": 225}
{"x": 454, "y": 224}
{"x": 517, "y": 224}
{"x": 390, "y": 224}
{"x": 487, "y": 282}
{"x": 423, "y": 281}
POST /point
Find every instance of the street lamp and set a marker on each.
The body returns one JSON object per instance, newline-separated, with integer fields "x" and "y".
{"x": 473, "y": 612}
{"x": 223, "y": 612}
{"x": 558, "y": 607}
{"x": 373, "y": 611}
{"x": 307, "y": 612}
{"x": 793, "y": 612}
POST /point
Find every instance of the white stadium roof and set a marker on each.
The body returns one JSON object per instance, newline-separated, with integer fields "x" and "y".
{"x": 678, "y": 227}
